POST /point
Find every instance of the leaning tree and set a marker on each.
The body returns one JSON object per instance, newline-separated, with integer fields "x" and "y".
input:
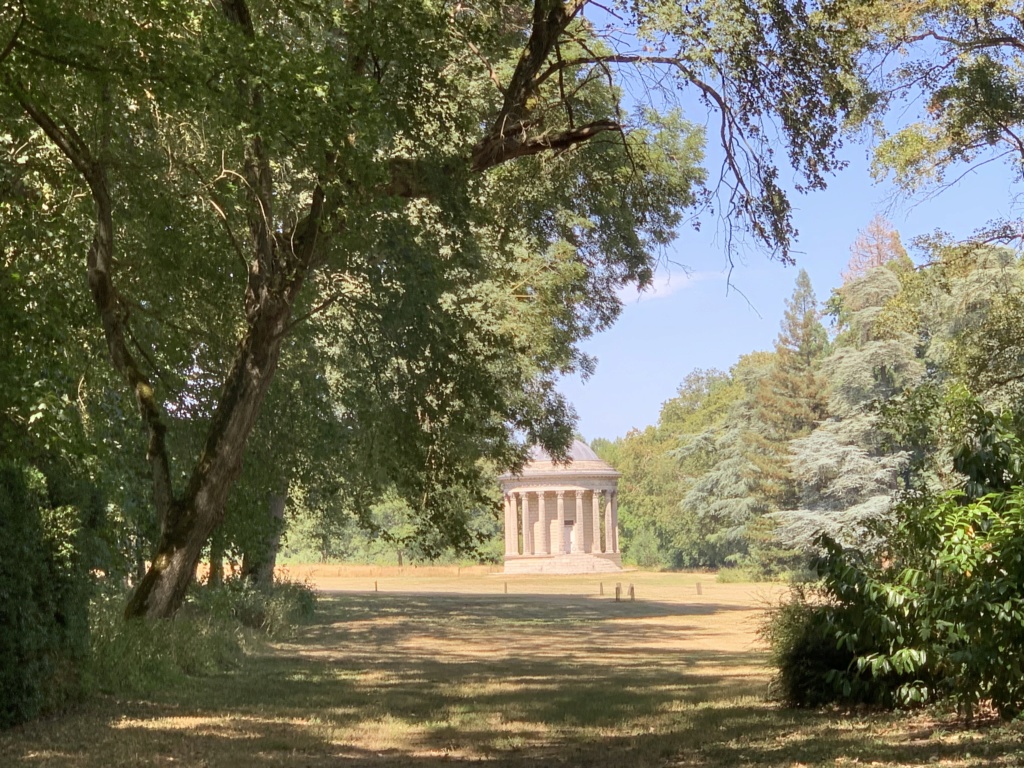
{"x": 452, "y": 191}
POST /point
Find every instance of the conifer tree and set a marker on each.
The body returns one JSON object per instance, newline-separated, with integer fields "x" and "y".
{"x": 877, "y": 244}
{"x": 789, "y": 401}
{"x": 724, "y": 497}
{"x": 845, "y": 477}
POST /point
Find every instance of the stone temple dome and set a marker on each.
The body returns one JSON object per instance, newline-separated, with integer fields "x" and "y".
{"x": 562, "y": 517}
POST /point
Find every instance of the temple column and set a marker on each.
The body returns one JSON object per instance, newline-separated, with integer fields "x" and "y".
{"x": 578, "y": 528}
{"x": 595, "y": 517}
{"x": 511, "y": 546}
{"x": 607, "y": 522}
{"x": 561, "y": 523}
{"x": 615, "y": 521}
{"x": 527, "y": 538}
{"x": 516, "y": 529}
{"x": 545, "y": 525}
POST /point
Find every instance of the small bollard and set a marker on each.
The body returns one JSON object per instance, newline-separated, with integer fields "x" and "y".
{"x": 601, "y": 590}
{"x": 375, "y": 586}
{"x": 632, "y": 595}
{"x": 618, "y": 593}
{"x": 506, "y": 587}
{"x": 699, "y": 590}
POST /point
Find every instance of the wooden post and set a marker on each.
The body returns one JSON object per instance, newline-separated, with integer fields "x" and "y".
{"x": 375, "y": 586}
{"x": 618, "y": 593}
{"x": 699, "y": 592}
{"x": 632, "y": 595}
{"x": 506, "y": 587}
{"x": 601, "y": 591}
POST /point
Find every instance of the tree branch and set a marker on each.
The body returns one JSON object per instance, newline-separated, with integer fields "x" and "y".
{"x": 502, "y": 149}
{"x": 17, "y": 32}
{"x": 507, "y": 130}
{"x": 99, "y": 263}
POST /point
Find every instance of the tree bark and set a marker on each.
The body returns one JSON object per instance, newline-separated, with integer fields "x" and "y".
{"x": 216, "y": 575}
{"x": 277, "y": 271}
{"x": 258, "y": 563}
{"x": 197, "y": 514}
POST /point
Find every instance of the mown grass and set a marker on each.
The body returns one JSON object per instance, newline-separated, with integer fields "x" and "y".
{"x": 441, "y": 669}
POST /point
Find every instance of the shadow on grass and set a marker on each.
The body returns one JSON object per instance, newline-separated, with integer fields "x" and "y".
{"x": 429, "y": 680}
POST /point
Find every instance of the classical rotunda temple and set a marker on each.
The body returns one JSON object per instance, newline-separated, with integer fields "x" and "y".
{"x": 562, "y": 518}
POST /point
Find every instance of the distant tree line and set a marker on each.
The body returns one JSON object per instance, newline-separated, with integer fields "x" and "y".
{"x": 749, "y": 468}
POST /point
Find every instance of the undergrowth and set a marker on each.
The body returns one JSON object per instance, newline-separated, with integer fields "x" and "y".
{"x": 210, "y": 634}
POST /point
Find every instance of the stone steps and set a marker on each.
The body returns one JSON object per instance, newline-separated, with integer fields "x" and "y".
{"x": 564, "y": 564}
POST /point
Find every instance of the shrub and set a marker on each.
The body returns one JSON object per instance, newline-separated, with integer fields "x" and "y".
{"x": 273, "y": 611}
{"x": 941, "y": 618}
{"x": 44, "y": 589}
{"x": 948, "y": 609}
{"x": 645, "y": 549}
{"x": 816, "y": 660}
{"x": 804, "y": 653}
{"x": 736, "y": 575}
{"x": 208, "y": 635}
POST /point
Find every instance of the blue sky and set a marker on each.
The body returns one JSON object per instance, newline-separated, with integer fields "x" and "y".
{"x": 699, "y": 322}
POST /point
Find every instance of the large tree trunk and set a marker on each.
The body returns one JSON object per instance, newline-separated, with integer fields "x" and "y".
{"x": 216, "y": 575}
{"x": 278, "y": 268}
{"x": 259, "y": 562}
{"x": 191, "y": 519}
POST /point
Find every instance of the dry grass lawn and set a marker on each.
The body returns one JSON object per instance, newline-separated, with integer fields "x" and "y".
{"x": 441, "y": 667}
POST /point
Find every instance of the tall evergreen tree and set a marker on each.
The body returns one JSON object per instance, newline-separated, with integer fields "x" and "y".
{"x": 845, "y": 477}
{"x": 724, "y": 497}
{"x": 789, "y": 401}
{"x": 877, "y": 244}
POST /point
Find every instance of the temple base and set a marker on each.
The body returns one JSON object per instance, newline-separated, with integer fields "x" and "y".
{"x": 564, "y": 564}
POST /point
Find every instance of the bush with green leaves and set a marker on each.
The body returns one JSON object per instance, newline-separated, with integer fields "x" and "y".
{"x": 946, "y": 613}
{"x": 801, "y": 636}
{"x": 44, "y": 589}
{"x": 938, "y": 612}
{"x": 941, "y": 618}
{"x": 645, "y": 549}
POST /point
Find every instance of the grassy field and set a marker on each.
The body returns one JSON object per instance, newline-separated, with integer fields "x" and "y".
{"x": 442, "y": 666}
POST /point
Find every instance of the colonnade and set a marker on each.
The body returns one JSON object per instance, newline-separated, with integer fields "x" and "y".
{"x": 529, "y": 518}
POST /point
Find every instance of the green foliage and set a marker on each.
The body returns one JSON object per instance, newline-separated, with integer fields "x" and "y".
{"x": 274, "y": 611}
{"x": 946, "y": 619}
{"x": 723, "y": 493}
{"x": 645, "y": 551}
{"x": 804, "y": 652}
{"x": 433, "y": 238}
{"x": 771, "y": 557}
{"x": 789, "y": 400}
{"x": 209, "y": 635}
{"x": 656, "y": 477}
{"x": 735, "y": 575}
{"x": 845, "y": 474}
{"x": 940, "y": 615}
{"x": 138, "y": 657}
{"x": 746, "y": 460}
{"x": 44, "y": 589}
{"x": 972, "y": 89}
